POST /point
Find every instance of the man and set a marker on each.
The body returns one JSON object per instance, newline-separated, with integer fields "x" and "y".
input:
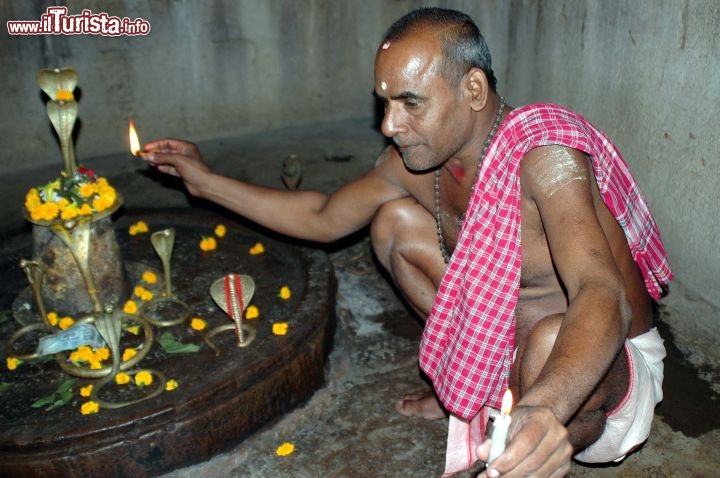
{"x": 542, "y": 285}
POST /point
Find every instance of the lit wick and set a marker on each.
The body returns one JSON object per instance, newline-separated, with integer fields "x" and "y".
{"x": 500, "y": 427}
{"x": 135, "y": 147}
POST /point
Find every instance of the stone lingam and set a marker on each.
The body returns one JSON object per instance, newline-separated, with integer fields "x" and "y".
{"x": 116, "y": 367}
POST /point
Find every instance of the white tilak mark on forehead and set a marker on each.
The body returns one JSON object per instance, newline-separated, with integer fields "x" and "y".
{"x": 558, "y": 169}
{"x": 386, "y": 45}
{"x": 383, "y": 85}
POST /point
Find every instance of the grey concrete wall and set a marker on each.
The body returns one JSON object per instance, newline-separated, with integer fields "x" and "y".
{"x": 645, "y": 71}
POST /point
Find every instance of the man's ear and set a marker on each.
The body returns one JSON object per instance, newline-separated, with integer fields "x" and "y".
{"x": 478, "y": 87}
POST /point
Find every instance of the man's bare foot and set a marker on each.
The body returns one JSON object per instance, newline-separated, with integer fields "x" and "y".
{"x": 422, "y": 404}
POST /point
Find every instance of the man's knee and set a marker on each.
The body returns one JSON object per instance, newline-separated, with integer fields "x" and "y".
{"x": 388, "y": 227}
{"x": 534, "y": 352}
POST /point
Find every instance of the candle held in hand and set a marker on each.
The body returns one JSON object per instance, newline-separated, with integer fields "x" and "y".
{"x": 500, "y": 427}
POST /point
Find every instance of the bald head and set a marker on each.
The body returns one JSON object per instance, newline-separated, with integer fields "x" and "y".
{"x": 462, "y": 45}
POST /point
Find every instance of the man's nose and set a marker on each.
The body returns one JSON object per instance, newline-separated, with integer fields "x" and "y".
{"x": 392, "y": 123}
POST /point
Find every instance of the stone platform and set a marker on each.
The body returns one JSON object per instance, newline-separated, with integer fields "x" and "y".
{"x": 220, "y": 400}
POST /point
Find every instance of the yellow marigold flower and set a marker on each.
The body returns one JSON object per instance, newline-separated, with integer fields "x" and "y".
{"x": 122, "y": 378}
{"x": 82, "y": 354}
{"x": 128, "y": 354}
{"x": 171, "y": 385}
{"x": 52, "y": 318}
{"x": 208, "y": 244}
{"x": 32, "y": 199}
{"x": 63, "y": 203}
{"x": 285, "y": 449}
{"x": 220, "y": 230}
{"x": 285, "y": 292}
{"x": 139, "y": 228}
{"x": 101, "y": 203}
{"x": 45, "y": 212}
{"x": 66, "y": 323}
{"x": 252, "y": 312}
{"x": 103, "y": 353}
{"x": 85, "y": 210}
{"x": 258, "y": 248}
{"x": 134, "y": 329}
{"x": 95, "y": 364}
{"x": 280, "y": 328}
{"x": 86, "y": 190}
{"x": 149, "y": 277}
{"x": 143, "y": 293}
{"x": 197, "y": 323}
{"x": 89, "y": 407}
{"x": 86, "y": 390}
{"x": 64, "y": 95}
{"x": 12, "y": 363}
{"x": 69, "y": 212}
{"x": 130, "y": 307}
{"x": 143, "y": 378}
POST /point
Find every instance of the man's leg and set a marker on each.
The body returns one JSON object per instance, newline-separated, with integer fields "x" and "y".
{"x": 404, "y": 239}
{"x": 589, "y": 422}
{"x": 405, "y": 242}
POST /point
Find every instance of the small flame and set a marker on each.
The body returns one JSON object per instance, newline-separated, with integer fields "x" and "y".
{"x": 134, "y": 141}
{"x": 507, "y": 402}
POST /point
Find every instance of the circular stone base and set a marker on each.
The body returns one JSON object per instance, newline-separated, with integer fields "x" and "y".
{"x": 220, "y": 399}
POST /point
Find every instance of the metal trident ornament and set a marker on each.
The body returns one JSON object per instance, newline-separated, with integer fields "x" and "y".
{"x": 232, "y": 293}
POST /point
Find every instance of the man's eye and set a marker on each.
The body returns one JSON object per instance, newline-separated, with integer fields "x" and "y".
{"x": 412, "y": 104}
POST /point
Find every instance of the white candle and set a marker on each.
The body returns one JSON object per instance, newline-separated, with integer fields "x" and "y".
{"x": 500, "y": 427}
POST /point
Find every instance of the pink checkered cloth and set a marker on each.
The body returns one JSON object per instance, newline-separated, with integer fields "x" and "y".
{"x": 467, "y": 346}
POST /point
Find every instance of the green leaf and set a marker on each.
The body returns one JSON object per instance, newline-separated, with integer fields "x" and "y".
{"x": 4, "y": 387}
{"x": 66, "y": 385}
{"x": 43, "y": 401}
{"x": 171, "y": 345}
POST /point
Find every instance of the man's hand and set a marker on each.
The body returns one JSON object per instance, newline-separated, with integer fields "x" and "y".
{"x": 538, "y": 446}
{"x": 178, "y": 158}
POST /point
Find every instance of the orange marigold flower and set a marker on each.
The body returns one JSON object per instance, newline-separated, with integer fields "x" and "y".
{"x": 122, "y": 378}
{"x": 208, "y": 244}
{"x": 197, "y": 323}
{"x": 220, "y": 230}
{"x": 12, "y": 363}
{"x": 130, "y": 307}
{"x": 280, "y": 328}
{"x": 52, "y": 318}
{"x": 64, "y": 95}
{"x": 32, "y": 199}
{"x": 285, "y": 449}
{"x": 65, "y": 323}
{"x": 258, "y": 248}
{"x": 149, "y": 277}
{"x": 285, "y": 292}
{"x": 86, "y": 391}
{"x": 171, "y": 385}
{"x": 89, "y": 407}
{"x": 252, "y": 312}
{"x": 143, "y": 378}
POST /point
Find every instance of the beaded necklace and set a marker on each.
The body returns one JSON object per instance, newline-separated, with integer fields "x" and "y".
{"x": 438, "y": 217}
